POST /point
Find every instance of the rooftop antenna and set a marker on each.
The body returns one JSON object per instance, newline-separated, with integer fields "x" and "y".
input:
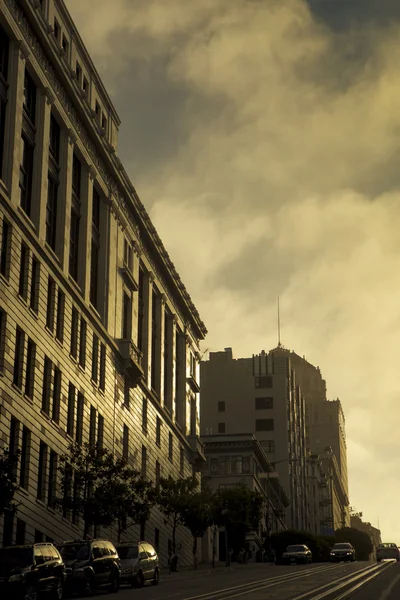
{"x": 279, "y": 326}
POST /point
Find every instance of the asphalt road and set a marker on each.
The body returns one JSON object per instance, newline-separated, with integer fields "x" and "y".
{"x": 360, "y": 581}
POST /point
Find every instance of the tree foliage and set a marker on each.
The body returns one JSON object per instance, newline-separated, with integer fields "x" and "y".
{"x": 198, "y": 516}
{"x": 8, "y": 481}
{"x": 102, "y": 489}
{"x": 172, "y": 499}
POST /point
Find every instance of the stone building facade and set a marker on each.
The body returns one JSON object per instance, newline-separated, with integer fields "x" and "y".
{"x": 98, "y": 335}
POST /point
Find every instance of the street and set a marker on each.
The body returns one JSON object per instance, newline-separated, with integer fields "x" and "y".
{"x": 361, "y": 581}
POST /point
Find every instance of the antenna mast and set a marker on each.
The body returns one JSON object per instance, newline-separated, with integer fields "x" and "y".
{"x": 279, "y": 326}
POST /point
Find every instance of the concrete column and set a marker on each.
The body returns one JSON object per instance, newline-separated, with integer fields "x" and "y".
{"x": 13, "y": 147}
{"x": 68, "y": 140}
{"x": 45, "y": 100}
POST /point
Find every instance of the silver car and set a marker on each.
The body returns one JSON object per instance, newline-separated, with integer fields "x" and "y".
{"x": 139, "y": 563}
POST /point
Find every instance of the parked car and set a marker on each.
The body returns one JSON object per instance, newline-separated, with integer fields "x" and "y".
{"x": 297, "y": 554}
{"x": 384, "y": 551}
{"x": 139, "y": 563}
{"x": 343, "y": 551}
{"x": 90, "y": 564}
{"x": 31, "y": 570}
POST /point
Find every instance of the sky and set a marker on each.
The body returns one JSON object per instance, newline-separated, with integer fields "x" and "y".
{"x": 263, "y": 138}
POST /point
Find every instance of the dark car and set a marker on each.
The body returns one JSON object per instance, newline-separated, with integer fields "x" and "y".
{"x": 297, "y": 554}
{"x": 32, "y": 570}
{"x": 343, "y": 551}
{"x": 139, "y": 563}
{"x": 384, "y": 551}
{"x": 90, "y": 564}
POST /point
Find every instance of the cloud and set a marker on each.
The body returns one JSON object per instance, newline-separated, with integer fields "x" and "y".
{"x": 264, "y": 138}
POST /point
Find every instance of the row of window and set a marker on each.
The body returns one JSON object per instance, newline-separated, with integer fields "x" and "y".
{"x": 260, "y": 404}
{"x": 260, "y": 425}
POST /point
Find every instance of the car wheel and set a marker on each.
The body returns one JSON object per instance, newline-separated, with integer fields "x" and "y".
{"x": 139, "y": 579}
{"x": 88, "y": 587}
{"x": 58, "y": 593}
{"x": 31, "y": 592}
{"x": 114, "y": 585}
{"x": 156, "y": 577}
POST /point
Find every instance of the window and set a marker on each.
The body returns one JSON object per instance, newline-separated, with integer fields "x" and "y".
{"x": 30, "y": 368}
{"x": 51, "y": 211}
{"x": 100, "y": 431}
{"x": 18, "y": 358}
{"x": 4, "y": 54}
{"x": 126, "y": 317}
{"x": 64, "y": 44}
{"x": 23, "y": 272}
{"x": 26, "y": 175}
{"x": 125, "y": 443}
{"x": 95, "y": 249}
{"x": 181, "y": 461}
{"x": 41, "y": 486}
{"x": 144, "y": 415}
{"x": 75, "y": 218}
{"x": 141, "y": 310}
{"x": 79, "y": 418}
{"x": 54, "y": 144}
{"x": 24, "y": 458}
{"x": 57, "y": 30}
{"x": 158, "y": 431}
{"x": 95, "y": 358}
{"x": 51, "y": 293}
{"x": 20, "y": 532}
{"x": 60, "y": 315}
{"x": 35, "y": 283}
{"x": 2, "y": 337}
{"x": 167, "y": 360}
{"x": 128, "y": 255}
{"x": 55, "y": 411}
{"x": 92, "y": 427}
{"x": 85, "y": 85}
{"x": 39, "y": 537}
{"x": 78, "y": 71}
{"x": 221, "y": 406}
{"x": 221, "y": 427}
{"x": 97, "y": 110}
{"x": 268, "y": 446}
{"x": 264, "y": 424}
{"x": 102, "y": 383}
{"x": 127, "y": 396}
{"x": 263, "y": 382}
{"x": 264, "y": 403}
{"x": 104, "y": 122}
{"x": 158, "y": 475}
{"x": 48, "y": 366}
{"x": 154, "y": 340}
{"x": 170, "y": 446}
{"x": 74, "y": 332}
{"x": 8, "y": 529}
{"x": 144, "y": 462}
{"x": 157, "y": 539}
{"x": 29, "y": 97}
{"x": 82, "y": 344}
{"x": 5, "y": 248}
{"x": 71, "y": 410}
{"x": 51, "y": 496}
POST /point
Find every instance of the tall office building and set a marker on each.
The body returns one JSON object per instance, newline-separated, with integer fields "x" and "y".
{"x": 98, "y": 335}
{"x": 260, "y": 395}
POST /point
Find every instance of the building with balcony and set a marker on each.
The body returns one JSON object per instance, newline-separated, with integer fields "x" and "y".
{"x": 234, "y": 459}
{"x": 98, "y": 334}
{"x": 260, "y": 395}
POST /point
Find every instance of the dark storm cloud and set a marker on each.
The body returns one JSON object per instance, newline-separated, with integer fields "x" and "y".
{"x": 346, "y": 14}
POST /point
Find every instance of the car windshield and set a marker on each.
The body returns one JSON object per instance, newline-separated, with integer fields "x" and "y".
{"x": 342, "y": 547}
{"x": 125, "y": 552}
{"x": 295, "y": 549}
{"x": 10, "y": 558}
{"x": 387, "y": 546}
{"x": 75, "y": 551}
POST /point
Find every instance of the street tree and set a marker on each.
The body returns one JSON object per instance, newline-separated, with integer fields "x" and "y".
{"x": 172, "y": 498}
{"x": 360, "y": 541}
{"x": 92, "y": 483}
{"x": 198, "y": 516}
{"x": 135, "y": 499}
{"x": 8, "y": 481}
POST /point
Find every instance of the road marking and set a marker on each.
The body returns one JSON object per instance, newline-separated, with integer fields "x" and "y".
{"x": 388, "y": 590}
